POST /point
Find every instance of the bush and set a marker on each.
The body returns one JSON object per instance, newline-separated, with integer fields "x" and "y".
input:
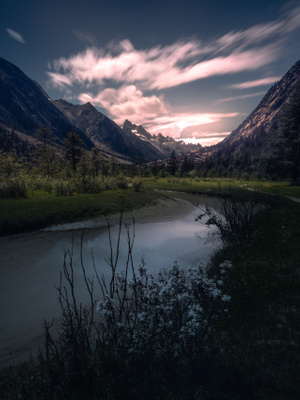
{"x": 137, "y": 185}
{"x": 64, "y": 187}
{"x": 121, "y": 182}
{"x": 235, "y": 221}
{"x": 168, "y": 314}
{"x": 13, "y": 188}
{"x": 144, "y": 329}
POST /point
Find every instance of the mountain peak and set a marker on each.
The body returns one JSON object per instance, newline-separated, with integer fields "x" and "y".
{"x": 138, "y": 130}
{"x": 128, "y": 125}
{"x": 88, "y": 105}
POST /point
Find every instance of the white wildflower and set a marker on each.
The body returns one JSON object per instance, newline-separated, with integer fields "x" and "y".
{"x": 225, "y": 297}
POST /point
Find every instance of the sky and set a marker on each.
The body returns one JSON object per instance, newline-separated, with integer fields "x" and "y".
{"x": 193, "y": 69}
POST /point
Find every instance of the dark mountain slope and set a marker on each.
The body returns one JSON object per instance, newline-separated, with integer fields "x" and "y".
{"x": 24, "y": 106}
{"x": 105, "y": 133}
{"x": 267, "y": 109}
{"x": 268, "y": 141}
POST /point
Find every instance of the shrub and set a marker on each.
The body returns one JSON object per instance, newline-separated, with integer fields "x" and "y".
{"x": 121, "y": 182}
{"x": 235, "y": 221}
{"x": 145, "y": 328}
{"x": 13, "y": 188}
{"x": 64, "y": 187}
{"x": 168, "y": 314}
{"x": 137, "y": 185}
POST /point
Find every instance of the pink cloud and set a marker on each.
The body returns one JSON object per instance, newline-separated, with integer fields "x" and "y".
{"x": 157, "y": 68}
{"x": 152, "y": 112}
{"x": 163, "y": 67}
{"x": 236, "y": 62}
{"x": 136, "y": 74}
{"x": 255, "y": 83}
{"x": 174, "y": 123}
{"x": 206, "y": 138}
{"x": 244, "y": 96}
{"x": 288, "y": 22}
{"x": 59, "y": 80}
{"x": 128, "y": 102}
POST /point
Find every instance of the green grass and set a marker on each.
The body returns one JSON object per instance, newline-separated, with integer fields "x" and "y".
{"x": 203, "y": 186}
{"x": 41, "y": 209}
{"x": 280, "y": 188}
{"x": 260, "y": 334}
{"x": 216, "y": 186}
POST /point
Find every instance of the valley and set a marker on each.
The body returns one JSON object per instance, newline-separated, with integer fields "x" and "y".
{"x": 228, "y": 329}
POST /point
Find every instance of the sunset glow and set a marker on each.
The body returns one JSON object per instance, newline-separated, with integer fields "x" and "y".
{"x": 203, "y": 72}
{"x": 131, "y": 83}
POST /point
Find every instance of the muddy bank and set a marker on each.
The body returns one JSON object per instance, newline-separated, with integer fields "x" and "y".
{"x": 164, "y": 210}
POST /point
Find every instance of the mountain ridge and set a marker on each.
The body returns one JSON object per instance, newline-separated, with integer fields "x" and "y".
{"x": 269, "y": 106}
{"x": 25, "y": 106}
{"x": 263, "y": 136}
{"x": 105, "y": 133}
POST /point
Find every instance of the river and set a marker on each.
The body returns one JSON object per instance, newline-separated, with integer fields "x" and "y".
{"x": 30, "y": 264}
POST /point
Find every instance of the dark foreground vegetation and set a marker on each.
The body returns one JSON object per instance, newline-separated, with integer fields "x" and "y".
{"x": 227, "y": 332}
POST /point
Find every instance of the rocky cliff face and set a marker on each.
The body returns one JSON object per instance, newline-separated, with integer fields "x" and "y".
{"x": 267, "y": 143}
{"x": 263, "y": 116}
{"x": 163, "y": 145}
{"x": 106, "y": 134}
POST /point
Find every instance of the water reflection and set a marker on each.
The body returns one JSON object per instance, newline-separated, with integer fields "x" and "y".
{"x": 30, "y": 265}
{"x": 159, "y": 244}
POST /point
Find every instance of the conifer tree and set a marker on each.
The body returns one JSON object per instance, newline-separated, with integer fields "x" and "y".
{"x": 73, "y": 149}
{"x": 172, "y": 163}
{"x": 45, "y": 154}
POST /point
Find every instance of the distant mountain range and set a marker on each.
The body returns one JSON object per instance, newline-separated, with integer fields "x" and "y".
{"x": 268, "y": 138}
{"x": 25, "y": 107}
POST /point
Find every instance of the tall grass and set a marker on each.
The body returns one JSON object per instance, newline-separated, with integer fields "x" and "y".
{"x": 13, "y": 188}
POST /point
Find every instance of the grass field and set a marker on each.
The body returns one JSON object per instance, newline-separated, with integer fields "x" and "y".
{"x": 40, "y": 209}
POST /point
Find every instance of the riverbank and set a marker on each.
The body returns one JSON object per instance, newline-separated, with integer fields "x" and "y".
{"x": 41, "y": 209}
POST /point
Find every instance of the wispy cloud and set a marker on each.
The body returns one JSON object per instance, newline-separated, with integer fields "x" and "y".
{"x": 159, "y": 67}
{"x": 59, "y": 81}
{"x": 205, "y": 138}
{"x": 124, "y": 80}
{"x": 163, "y": 67}
{"x": 255, "y": 83}
{"x": 174, "y": 123}
{"x": 84, "y": 36}
{"x": 243, "y": 96}
{"x": 15, "y": 35}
